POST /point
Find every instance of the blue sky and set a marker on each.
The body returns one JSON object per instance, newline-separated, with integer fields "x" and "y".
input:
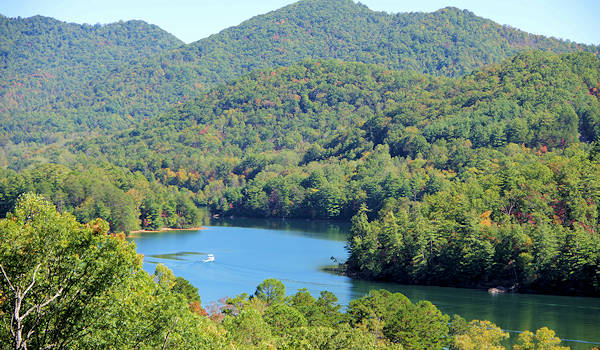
{"x": 191, "y": 20}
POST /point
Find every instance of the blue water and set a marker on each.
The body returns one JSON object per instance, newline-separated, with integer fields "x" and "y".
{"x": 248, "y": 251}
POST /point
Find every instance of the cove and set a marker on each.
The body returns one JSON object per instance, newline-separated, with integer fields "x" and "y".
{"x": 247, "y": 251}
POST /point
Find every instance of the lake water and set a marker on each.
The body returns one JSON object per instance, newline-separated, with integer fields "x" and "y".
{"x": 247, "y": 251}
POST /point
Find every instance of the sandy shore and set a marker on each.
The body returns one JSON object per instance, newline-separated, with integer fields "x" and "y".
{"x": 168, "y": 229}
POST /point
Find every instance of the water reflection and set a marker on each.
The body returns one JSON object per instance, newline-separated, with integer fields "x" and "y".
{"x": 176, "y": 256}
{"x": 249, "y": 250}
{"x": 570, "y": 317}
{"x": 332, "y": 230}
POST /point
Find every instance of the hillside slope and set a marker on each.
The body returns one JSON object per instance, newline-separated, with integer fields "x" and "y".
{"x": 447, "y": 42}
{"x": 482, "y": 180}
{"x": 323, "y": 111}
{"x": 47, "y": 68}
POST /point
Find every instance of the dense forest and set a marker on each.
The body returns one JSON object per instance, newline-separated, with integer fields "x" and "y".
{"x": 105, "y": 300}
{"x": 447, "y": 42}
{"x": 464, "y": 153}
{"x": 126, "y": 201}
{"x": 102, "y": 78}
{"x": 499, "y": 160}
{"x": 508, "y": 145}
{"x": 46, "y": 65}
{"x": 323, "y": 123}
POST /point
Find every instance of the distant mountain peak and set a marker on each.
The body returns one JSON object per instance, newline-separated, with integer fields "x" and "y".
{"x": 146, "y": 70}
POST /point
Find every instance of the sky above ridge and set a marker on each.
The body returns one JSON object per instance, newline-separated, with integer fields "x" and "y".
{"x": 191, "y": 20}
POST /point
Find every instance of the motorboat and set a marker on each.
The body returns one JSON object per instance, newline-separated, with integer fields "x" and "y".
{"x": 209, "y": 258}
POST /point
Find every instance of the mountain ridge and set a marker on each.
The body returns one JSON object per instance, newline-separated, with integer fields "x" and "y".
{"x": 288, "y": 35}
{"x": 141, "y": 88}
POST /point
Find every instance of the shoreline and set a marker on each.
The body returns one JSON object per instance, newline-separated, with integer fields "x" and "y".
{"x": 168, "y": 229}
{"x": 497, "y": 288}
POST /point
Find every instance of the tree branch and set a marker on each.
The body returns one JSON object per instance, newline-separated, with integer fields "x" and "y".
{"x": 43, "y": 305}
{"x": 32, "y": 281}
{"x": 7, "y": 279}
{"x": 169, "y": 333}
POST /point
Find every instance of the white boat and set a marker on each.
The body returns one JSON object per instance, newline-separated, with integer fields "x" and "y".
{"x": 209, "y": 258}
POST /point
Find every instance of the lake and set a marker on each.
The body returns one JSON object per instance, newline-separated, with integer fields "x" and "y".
{"x": 247, "y": 251}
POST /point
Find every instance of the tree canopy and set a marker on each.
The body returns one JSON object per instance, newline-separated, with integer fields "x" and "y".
{"x": 59, "y": 78}
{"x": 67, "y": 285}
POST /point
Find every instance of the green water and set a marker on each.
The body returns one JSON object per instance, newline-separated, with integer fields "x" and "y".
{"x": 247, "y": 251}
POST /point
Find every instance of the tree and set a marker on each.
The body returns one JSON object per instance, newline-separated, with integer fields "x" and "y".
{"x": 56, "y": 272}
{"x": 327, "y": 338}
{"x": 271, "y": 291}
{"x": 480, "y": 335}
{"x": 306, "y": 304}
{"x": 185, "y": 288}
{"x": 67, "y": 285}
{"x": 282, "y": 317}
{"x": 328, "y": 310}
{"x": 543, "y": 338}
{"x": 248, "y": 328}
{"x": 420, "y": 326}
{"x": 375, "y": 309}
{"x": 164, "y": 277}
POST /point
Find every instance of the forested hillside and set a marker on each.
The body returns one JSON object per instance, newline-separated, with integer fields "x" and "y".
{"x": 497, "y": 159}
{"x": 463, "y": 152}
{"x": 327, "y": 118}
{"x": 102, "y": 78}
{"x": 125, "y": 200}
{"x": 48, "y": 68}
{"x": 511, "y": 146}
{"x": 447, "y": 42}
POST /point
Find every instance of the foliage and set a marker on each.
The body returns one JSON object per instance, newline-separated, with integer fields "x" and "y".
{"x": 476, "y": 167}
{"x": 361, "y": 130}
{"x": 480, "y": 335}
{"x": 544, "y": 338}
{"x": 59, "y": 270}
{"x": 68, "y": 285}
{"x": 476, "y": 181}
{"x": 60, "y": 79}
{"x": 512, "y": 220}
{"x": 379, "y": 320}
{"x": 271, "y": 291}
{"x": 469, "y": 178}
{"x": 282, "y": 317}
{"x": 418, "y": 326}
{"x": 126, "y": 200}
{"x": 185, "y": 288}
{"x": 47, "y": 67}
{"x": 83, "y": 288}
{"x": 448, "y": 42}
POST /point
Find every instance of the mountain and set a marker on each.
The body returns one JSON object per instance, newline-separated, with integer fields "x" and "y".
{"x": 47, "y": 67}
{"x": 280, "y": 120}
{"x": 43, "y": 43}
{"x": 448, "y": 42}
{"x": 481, "y": 180}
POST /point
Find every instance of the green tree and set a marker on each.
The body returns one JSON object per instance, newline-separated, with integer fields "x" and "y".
{"x": 480, "y": 335}
{"x": 56, "y": 274}
{"x": 68, "y": 285}
{"x": 164, "y": 277}
{"x": 271, "y": 291}
{"x": 282, "y": 318}
{"x": 543, "y": 338}
{"x": 373, "y": 311}
{"x": 185, "y": 288}
{"x": 248, "y": 328}
{"x": 420, "y": 326}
